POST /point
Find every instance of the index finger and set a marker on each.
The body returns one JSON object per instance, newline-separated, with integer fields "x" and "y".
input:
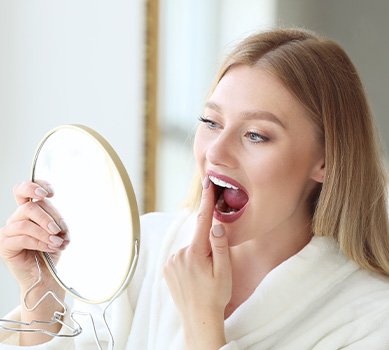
{"x": 200, "y": 243}
{"x": 28, "y": 190}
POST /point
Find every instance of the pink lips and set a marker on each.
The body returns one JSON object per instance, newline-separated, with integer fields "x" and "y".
{"x": 228, "y": 218}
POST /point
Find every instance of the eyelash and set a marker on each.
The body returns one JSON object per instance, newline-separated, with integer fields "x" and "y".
{"x": 213, "y": 125}
{"x": 262, "y": 138}
{"x": 210, "y": 123}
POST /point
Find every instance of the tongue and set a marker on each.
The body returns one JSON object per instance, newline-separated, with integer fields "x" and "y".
{"x": 236, "y": 199}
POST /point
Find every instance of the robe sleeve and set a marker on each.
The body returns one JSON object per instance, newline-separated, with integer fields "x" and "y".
{"x": 377, "y": 340}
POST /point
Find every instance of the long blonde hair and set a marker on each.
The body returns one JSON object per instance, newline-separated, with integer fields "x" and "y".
{"x": 351, "y": 204}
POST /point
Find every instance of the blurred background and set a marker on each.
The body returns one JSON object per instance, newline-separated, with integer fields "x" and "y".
{"x": 88, "y": 62}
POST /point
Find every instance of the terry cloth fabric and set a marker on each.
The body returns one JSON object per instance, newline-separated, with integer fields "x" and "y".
{"x": 316, "y": 300}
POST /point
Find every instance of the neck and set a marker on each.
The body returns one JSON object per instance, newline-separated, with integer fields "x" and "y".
{"x": 252, "y": 260}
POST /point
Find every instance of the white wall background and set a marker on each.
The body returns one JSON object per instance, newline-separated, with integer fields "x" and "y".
{"x": 61, "y": 62}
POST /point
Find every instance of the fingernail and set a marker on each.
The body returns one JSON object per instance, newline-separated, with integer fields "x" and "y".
{"x": 57, "y": 241}
{"x": 41, "y": 192}
{"x": 63, "y": 225}
{"x": 53, "y": 227}
{"x": 53, "y": 248}
{"x": 206, "y": 182}
{"x": 218, "y": 230}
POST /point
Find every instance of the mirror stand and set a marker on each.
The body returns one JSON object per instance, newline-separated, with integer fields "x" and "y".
{"x": 57, "y": 316}
{"x": 76, "y": 329}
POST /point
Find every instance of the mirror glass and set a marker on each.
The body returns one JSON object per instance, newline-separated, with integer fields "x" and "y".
{"x": 94, "y": 195}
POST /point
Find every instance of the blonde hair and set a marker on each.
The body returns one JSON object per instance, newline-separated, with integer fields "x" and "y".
{"x": 351, "y": 204}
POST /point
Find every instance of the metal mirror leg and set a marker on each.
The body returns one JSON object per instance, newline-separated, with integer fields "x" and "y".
{"x": 67, "y": 330}
{"x": 17, "y": 326}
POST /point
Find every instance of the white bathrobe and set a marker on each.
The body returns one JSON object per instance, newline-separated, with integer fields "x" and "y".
{"x": 317, "y": 299}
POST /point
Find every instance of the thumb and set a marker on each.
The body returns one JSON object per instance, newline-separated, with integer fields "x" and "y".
{"x": 220, "y": 252}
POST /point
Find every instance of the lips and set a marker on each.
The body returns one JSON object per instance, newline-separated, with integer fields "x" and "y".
{"x": 231, "y": 198}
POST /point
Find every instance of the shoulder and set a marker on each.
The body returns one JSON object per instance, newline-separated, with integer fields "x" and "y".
{"x": 161, "y": 231}
{"x": 366, "y": 295}
{"x": 154, "y": 221}
{"x": 333, "y": 280}
{"x": 361, "y": 301}
{"x": 349, "y": 305}
{"x": 156, "y": 225}
{"x": 351, "y": 280}
{"x": 370, "y": 291}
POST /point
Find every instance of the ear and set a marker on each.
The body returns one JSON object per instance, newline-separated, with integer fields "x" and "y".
{"x": 318, "y": 171}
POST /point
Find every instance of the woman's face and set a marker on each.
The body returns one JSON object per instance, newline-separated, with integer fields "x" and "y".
{"x": 256, "y": 136}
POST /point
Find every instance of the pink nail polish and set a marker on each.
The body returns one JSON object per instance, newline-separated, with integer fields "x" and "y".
{"x": 53, "y": 227}
{"x": 55, "y": 241}
{"x": 40, "y": 192}
{"x": 218, "y": 230}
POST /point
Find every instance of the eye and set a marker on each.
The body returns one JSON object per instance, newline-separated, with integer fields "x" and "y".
{"x": 256, "y": 137}
{"x": 210, "y": 123}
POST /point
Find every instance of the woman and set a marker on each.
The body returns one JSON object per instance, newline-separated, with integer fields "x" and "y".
{"x": 289, "y": 248}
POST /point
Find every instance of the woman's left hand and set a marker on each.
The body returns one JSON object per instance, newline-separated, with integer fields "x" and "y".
{"x": 200, "y": 279}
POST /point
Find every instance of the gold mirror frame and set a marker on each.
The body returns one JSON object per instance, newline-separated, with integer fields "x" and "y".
{"x": 132, "y": 204}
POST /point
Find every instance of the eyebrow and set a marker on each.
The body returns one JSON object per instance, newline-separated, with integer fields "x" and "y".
{"x": 250, "y": 115}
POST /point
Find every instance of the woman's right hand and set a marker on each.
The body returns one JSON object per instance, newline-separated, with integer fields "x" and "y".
{"x": 34, "y": 226}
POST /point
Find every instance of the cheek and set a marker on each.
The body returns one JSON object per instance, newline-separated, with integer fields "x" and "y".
{"x": 272, "y": 165}
{"x": 279, "y": 170}
{"x": 277, "y": 188}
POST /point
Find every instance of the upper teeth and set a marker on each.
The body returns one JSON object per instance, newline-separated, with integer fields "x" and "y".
{"x": 222, "y": 183}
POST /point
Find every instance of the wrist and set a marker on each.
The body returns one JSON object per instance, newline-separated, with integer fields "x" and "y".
{"x": 43, "y": 312}
{"x": 204, "y": 330}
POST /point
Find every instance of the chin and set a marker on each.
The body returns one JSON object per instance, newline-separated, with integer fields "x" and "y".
{"x": 234, "y": 242}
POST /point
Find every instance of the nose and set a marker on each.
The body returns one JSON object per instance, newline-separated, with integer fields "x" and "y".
{"x": 222, "y": 151}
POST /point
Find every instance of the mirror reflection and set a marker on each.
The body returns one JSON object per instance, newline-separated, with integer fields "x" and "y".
{"x": 94, "y": 197}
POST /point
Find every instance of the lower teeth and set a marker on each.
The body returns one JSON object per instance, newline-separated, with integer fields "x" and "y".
{"x": 221, "y": 207}
{"x": 230, "y": 212}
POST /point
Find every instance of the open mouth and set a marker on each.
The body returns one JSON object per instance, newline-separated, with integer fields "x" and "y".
{"x": 230, "y": 198}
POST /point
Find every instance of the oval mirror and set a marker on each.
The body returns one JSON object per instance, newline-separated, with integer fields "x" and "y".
{"x": 94, "y": 195}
